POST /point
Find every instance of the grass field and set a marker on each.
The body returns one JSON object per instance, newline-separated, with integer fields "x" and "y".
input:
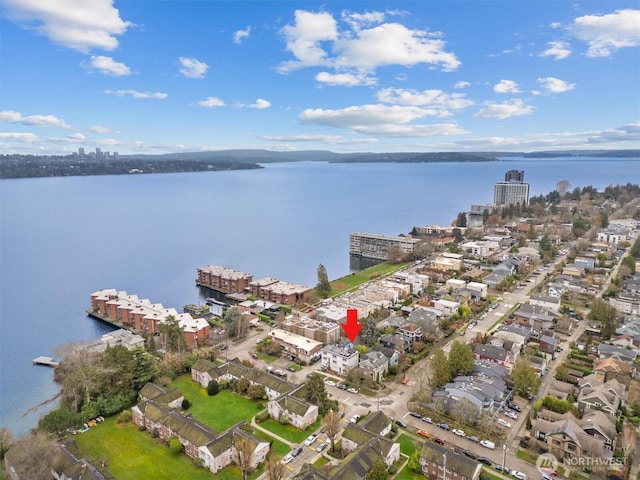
{"x": 131, "y": 454}
{"x": 354, "y": 280}
{"x": 407, "y": 444}
{"x": 289, "y": 432}
{"x": 220, "y": 411}
{"x": 407, "y": 474}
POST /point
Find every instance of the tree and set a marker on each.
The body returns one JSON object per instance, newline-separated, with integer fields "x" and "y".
{"x": 460, "y": 358}
{"x": 315, "y": 391}
{"x": 441, "y": 373}
{"x": 369, "y": 331}
{"x": 563, "y": 187}
{"x": 465, "y": 412}
{"x": 256, "y": 392}
{"x": 213, "y": 388}
{"x": 6, "y": 441}
{"x": 242, "y": 385}
{"x": 461, "y": 219}
{"x": 324, "y": 287}
{"x": 396, "y": 255}
{"x": 33, "y": 456}
{"x": 332, "y": 427}
{"x": 172, "y": 336}
{"x": 378, "y": 471}
{"x": 175, "y": 446}
{"x": 414, "y": 462}
{"x": 525, "y": 379}
{"x": 244, "y": 451}
{"x": 275, "y": 468}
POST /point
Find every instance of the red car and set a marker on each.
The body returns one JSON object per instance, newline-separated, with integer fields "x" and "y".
{"x": 438, "y": 440}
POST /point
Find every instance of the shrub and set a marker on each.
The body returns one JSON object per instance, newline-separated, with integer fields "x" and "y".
{"x": 174, "y": 445}
{"x": 262, "y": 416}
{"x": 154, "y": 433}
{"x": 124, "y": 417}
{"x": 186, "y": 404}
{"x": 213, "y": 388}
{"x": 141, "y": 428}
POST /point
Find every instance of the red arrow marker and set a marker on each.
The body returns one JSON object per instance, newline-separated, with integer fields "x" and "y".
{"x": 352, "y": 327}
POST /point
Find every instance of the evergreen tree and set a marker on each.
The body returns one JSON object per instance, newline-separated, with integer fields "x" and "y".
{"x": 440, "y": 369}
{"x": 324, "y": 287}
{"x": 460, "y": 358}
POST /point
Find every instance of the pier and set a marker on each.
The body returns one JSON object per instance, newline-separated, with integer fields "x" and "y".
{"x": 46, "y": 361}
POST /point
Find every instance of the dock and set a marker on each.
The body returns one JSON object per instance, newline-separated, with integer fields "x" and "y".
{"x": 46, "y": 361}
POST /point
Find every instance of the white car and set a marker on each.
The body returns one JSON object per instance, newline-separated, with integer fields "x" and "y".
{"x": 330, "y": 383}
{"x": 459, "y": 432}
{"x": 519, "y": 475}
{"x": 258, "y": 341}
{"x": 287, "y": 458}
{"x": 504, "y": 423}
{"x": 352, "y": 390}
{"x": 511, "y": 414}
{"x": 310, "y": 439}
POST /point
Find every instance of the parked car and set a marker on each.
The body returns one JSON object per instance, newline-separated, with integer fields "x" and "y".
{"x": 310, "y": 439}
{"x": 506, "y": 471}
{"x": 485, "y": 460}
{"x": 354, "y": 419}
{"x": 287, "y": 458}
{"x": 473, "y": 438}
{"x": 443, "y": 426}
{"x": 427, "y": 419}
{"x": 424, "y": 433}
{"x": 511, "y": 414}
{"x": 519, "y": 475}
{"x": 469, "y": 454}
{"x": 291, "y": 369}
{"x": 460, "y": 433}
{"x": 415, "y": 414}
{"x": 514, "y": 406}
{"x": 296, "y": 451}
{"x": 321, "y": 447}
{"x": 504, "y": 423}
{"x": 437, "y": 440}
{"x": 330, "y": 383}
{"x": 488, "y": 444}
{"x": 401, "y": 423}
{"x": 342, "y": 386}
{"x": 352, "y": 390}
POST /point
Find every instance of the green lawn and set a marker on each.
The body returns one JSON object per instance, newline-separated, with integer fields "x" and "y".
{"x": 276, "y": 445}
{"x": 320, "y": 462}
{"x": 289, "y": 432}
{"x": 407, "y": 444}
{"x": 348, "y": 282}
{"x": 220, "y": 411}
{"x": 407, "y": 474}
{"x": 131, "y": 454}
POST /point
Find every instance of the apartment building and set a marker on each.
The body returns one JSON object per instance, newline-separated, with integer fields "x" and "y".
{"x": 373, "y": 245}
{"x": 223, "y": 279}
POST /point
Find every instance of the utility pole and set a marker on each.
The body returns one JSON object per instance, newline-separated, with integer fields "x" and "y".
{"x": 504, "y": 456}
{"x": 444, "y": 470}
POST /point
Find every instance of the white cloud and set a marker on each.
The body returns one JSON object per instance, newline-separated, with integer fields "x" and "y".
{"x": 389, "y": 120}
{"x": 506, "y": 86}
{"x": 80, "y": 25}
{"x": 461, "y": 84}
{"x": 137, "y": 94}
{"x": 10, "y": 116}
{"x": 557, "y": 140}
{"x": 315, "y": 39}
{"x": 316, "y": 137}
{"x": 510, "y": 108}
{"x": 555, "y": 85}
{"x": 437, "y": 99}
{"x": 193, "y": 68}
{"x": 211, "y": 102}
{"x": 108, "y": 66}
{"x": 260, "y": 104}
{"x": 19, "y": 136}
{"x": 345, "y": 79}
{"x": 557, "y": 50}
{"x": 99, "y": 129}
{"x": 304, "y": 39}
{"x": 358, "y": 20}
{"x": 240, "y": 35}
{"x": 607, "y": 33}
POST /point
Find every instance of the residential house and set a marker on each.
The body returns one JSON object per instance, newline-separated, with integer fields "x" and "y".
{"x": 222, "y": 451}
{"x": 548, "y": 302}
{"x": 73, "y": 464}
{"x": 438, "y": 463}
{"x": 614, "y": 369}
{"x": 539, "y": 364}
{"x": 396, "y": 341}
{"x": 548, "y": 344}
{"x": 478, "y": 290}
{"x": 203, "y": 371}
{"x": 447, "y": 261}
{"x": 411, "y": 331}
{"x": 172, "y": 398}
{"x": 597, "y": 395}
{"x": 296, "y": 347}
{"x": 448, "y": 307}
{"x": 296, "y": 411}
{"x": 612, "y": 351}
{"x": 492, "y": 353}
{"x": 390, "y": 354}
{"x": 374, "y": 427}
{"x": 340, "y": 358}
{"x": 375, "y": 365}
{"x": 573, "y": 269}
{"x": 454, "y": 284}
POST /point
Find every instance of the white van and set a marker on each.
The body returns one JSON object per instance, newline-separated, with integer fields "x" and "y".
{"x": 488, "y": 444}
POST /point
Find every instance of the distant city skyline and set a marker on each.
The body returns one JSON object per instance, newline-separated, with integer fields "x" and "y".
{"x": 467, "y": 75}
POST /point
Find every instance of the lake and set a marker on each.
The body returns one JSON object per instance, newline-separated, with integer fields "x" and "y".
{"x": 61, "y": 239}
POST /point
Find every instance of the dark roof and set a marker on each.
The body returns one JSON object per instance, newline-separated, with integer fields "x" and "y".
{"x": 463, "y": 466}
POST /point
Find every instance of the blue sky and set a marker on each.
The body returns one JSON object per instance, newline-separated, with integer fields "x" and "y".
{"x": 145, "y": 76}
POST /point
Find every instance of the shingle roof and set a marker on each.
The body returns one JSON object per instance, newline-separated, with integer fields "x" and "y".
{"x": 463, "y": 466}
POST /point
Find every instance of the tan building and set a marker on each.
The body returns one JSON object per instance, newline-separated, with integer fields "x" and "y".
{"x": 223, "y": 279}
{"x": 274, "y": 290}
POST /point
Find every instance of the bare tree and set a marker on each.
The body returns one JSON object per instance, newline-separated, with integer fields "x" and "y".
{"x": 33, "y": 456}
{"x": 563, "y": 187}
{"x": 275, "y": 468}
{"x": 332, "y": 427}
{"x": 6, "y": 441}
{"x": 244, "y": 453}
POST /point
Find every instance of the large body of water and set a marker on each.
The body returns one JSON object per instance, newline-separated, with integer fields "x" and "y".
{"x": 63, "y": 238}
